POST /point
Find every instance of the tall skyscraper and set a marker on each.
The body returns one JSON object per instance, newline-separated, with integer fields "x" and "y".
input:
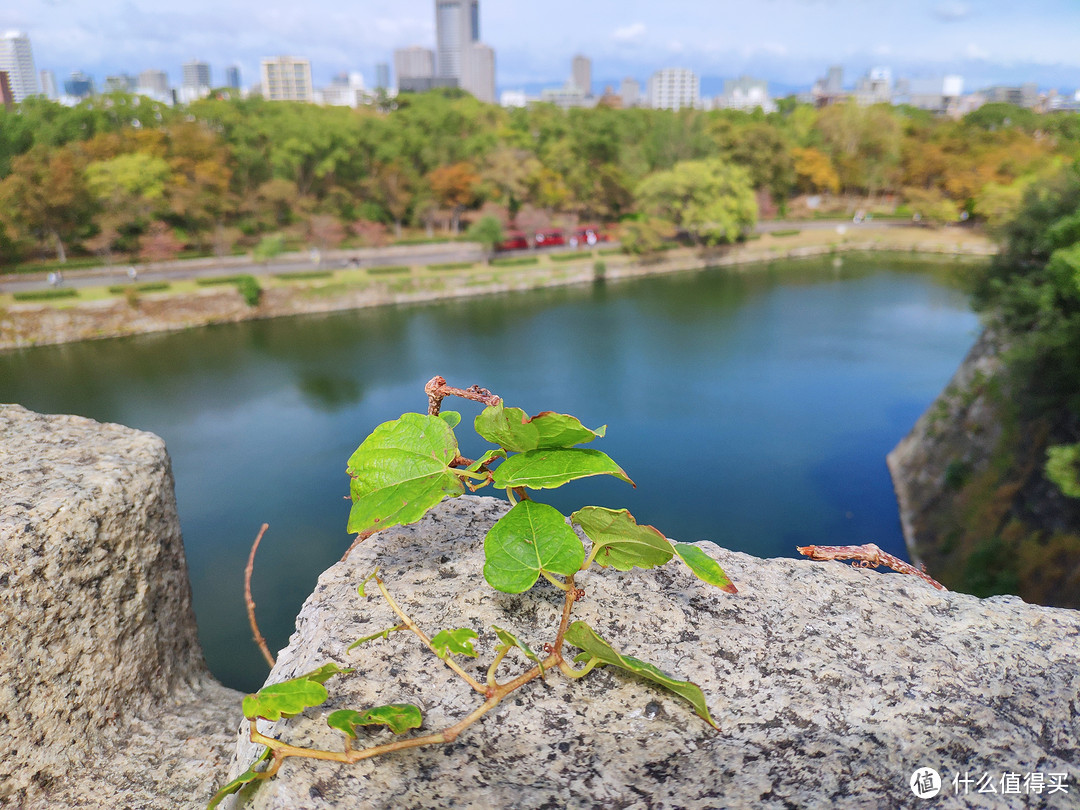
{"x": 48, "y": 85}
{"x": 478, "y": 71}
{"x": 411, "y": 64}
{"x": 457, "y": 24}
{"x": 154, "y": 83}
{"x": 17, "y": 60}
{"x": 286, "y": 78}
{"x": 382, "y": 76}
{"x": 232, "y": 77}
{"x": 581, "y": 73}
{"x": 630, "y": 91}
{"x": 195, "y": 80}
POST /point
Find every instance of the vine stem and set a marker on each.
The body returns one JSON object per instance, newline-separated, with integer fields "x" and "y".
{"x": 465, "y": 676}
{"x": 251, "y": 602}
{"x": 437, "y": 390}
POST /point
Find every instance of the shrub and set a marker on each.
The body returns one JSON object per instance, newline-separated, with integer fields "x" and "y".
{"x": 45, "y": 295}
{"x": 516, "y": 262}
{"x": 388, "y": 270}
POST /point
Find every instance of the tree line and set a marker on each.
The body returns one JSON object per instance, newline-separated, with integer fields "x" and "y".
{"x": 123, "y": 175}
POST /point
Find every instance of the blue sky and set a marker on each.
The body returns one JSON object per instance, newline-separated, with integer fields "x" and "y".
{"x": 789, "y": 42}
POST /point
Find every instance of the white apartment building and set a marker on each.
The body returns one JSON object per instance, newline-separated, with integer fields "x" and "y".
{"x": 17, "y": 60}
{"x": 674, "y": 89}
{"x": 286, "y": 78}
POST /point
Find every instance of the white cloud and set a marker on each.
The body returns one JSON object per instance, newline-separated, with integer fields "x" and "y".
{"x": 634, "y": 32}
{"x": 952, "y": 10}
{"x": 973, "y": 51}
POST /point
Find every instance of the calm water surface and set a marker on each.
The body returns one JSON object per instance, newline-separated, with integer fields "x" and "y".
{"x": 753, "y": 409}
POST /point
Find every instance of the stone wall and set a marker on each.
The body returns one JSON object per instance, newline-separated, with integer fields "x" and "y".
{"x": 105, "y": 700}
{"x": 831, "y": 686}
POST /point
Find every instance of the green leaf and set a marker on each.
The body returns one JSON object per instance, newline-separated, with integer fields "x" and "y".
{"x": 530, "y": 538}
{"x": 581, "y": 635}
{"x": 401, "y": 470}
{"x": 290, "y": 697}
{"x": 510, "y": 640}
{"x": 250, "y": 775}
{"x": 512, "y": 430}
{"x": 381, "y": 634}
{"x": 619, "y": 541}
{"x": 704, "y": 567}
{"x": 486, "y": 459}
{"x": 452, "y": 418}
{"x": 547, "y": 469}
{"x": 458, "y": 642}
{"x": 399, "y": 717}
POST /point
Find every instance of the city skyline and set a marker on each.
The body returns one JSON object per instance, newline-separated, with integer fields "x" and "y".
{"x": 788, "y": 42}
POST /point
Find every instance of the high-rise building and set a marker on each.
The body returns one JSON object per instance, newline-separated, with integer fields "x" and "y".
{"x": 120, "y": 83}
{"x": 154, "y": 83}
{"x": 457, "y": 24}
{"x": 382, "y": 76}
{"x": 17, "y": 60}
{"x": 48, "y": 84}
{"x": 232, "y": 77}
{"x": 79, "y": 85}
{"x": 195, "y": 80}
{"x": 411, "y": 64}
{"x": 478, "y": 71}
{"x": 286, "y": 78}
{"x": 581, "y": 73}
{"x": 630, "y": 91}
{"x": 674, "y": 89}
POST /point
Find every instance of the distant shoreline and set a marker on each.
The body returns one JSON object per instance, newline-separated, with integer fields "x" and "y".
{"x": 97, "y": 314}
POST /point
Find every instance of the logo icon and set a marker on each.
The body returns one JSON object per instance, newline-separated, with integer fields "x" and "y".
{"x": 926, "y": 783}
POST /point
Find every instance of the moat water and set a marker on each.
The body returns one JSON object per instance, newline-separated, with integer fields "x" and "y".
{"x": 753, "y": 408}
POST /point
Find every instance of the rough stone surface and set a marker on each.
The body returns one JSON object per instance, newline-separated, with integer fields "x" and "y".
{"x": 105, "y": 700}
{"x": 830, "y": 684}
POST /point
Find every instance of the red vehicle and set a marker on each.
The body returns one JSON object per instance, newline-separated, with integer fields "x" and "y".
{"x": 515, "y": 240}
{"x": 549, "y": 238}
{"x": 589, "y": 235}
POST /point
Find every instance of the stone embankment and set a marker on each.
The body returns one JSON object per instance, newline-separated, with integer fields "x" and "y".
{"x": 34, "y": 324}
{"x": 831, "y": 685}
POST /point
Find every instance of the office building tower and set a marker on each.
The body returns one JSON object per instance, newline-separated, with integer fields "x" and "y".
{"x": 457, "y": 25}
{"x": 674, "y": 89}
{"x": 478, "y": 71}
{"x": 581, "y": 74}
{"x": 120, "y": 83}
{"x": 344, "y": 90}
{"x": 630, "y": 91}
{"x": 79, "y": 85}
{"x": 17, "y": 60}
{"x": 382, "y": 76}
{"x": 413, "y": 66}
{"x": 286, "y": 78}
{"x": 48, "y": 85}
{"x": 194, "y": 81}
{"x": 154, "y": 83}
{"x": 232, "y": 77}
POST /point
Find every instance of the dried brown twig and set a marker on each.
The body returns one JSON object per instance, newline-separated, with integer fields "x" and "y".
{"x": 251, "y": 602}
{"x": 867, "y": 555}
{"x": 437, "y": 390}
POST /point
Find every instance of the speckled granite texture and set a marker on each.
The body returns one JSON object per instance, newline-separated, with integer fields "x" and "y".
{"x": 831, "y": 686}
{"x": 104, "y": 697}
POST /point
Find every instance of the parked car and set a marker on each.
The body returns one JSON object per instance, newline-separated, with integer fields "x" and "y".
{"x": 514, "y": 240}
{"x": 549, "y": 238}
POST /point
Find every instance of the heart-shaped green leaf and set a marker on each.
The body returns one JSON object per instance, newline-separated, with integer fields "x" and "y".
{"x": 402, "y": 470}
{"x": 547, "y": 469}
{"x": 452, "y": 418}
{"x": 512, "y": 430}
{"x": 581, "y": 635}
{"x": 530, "y": 538}
{"x": 620, "y": 541}
{"x": 399, "y": 717}
{"x": 508, "y": 639}
{"x": 291, "y": 697}
{"x": 704, "y": 567}
{"x": 458, "y": 642}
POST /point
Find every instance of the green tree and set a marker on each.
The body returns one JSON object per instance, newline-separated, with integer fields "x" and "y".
{"x": 711, "y": 200}
{"x": 488, "y": 231}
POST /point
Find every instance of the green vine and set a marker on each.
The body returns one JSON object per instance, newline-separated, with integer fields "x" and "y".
{"x": 409, "y": 465}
